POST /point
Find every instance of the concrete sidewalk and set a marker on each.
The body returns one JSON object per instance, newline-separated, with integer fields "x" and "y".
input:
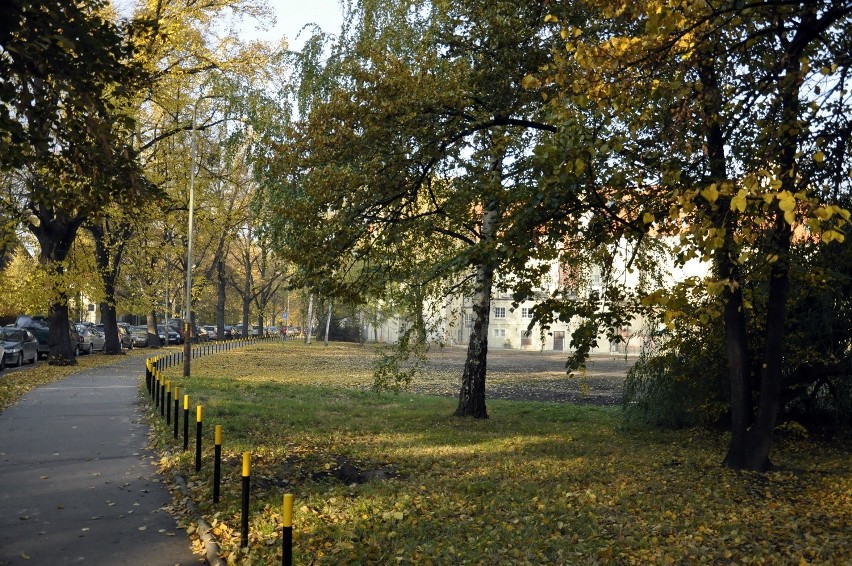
{"x": 77, "y": 484}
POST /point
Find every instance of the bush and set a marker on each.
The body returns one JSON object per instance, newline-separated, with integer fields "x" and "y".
{"x": 681, "y": 385}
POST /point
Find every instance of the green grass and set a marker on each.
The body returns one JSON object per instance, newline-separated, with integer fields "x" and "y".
{"x": 537, "y": 483}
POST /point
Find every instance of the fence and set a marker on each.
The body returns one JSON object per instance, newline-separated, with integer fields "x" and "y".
{"x": 167, "y": 402}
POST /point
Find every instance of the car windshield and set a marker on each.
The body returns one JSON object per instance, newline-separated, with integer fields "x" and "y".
{"x": 12, "y": 336}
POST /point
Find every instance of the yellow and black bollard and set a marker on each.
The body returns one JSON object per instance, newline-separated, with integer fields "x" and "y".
{"x": 177, "y": 408}
{"x": 162, "y": 396}
{"x": 217, "y": 462}
{"x": 244, "y": 520}
{"x": 186, "y": 422}
{"x": 156, "y": 389}
{"x": 168, "y": 404}
{"x": 198, "y": 438}
{"x": 287, "y": 555}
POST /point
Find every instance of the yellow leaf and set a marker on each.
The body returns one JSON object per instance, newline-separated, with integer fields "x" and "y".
{"x": 790, "y": 217}
{"x": 530, "y": 82}
{"x": 739, "y": 201}
{"x": 822, "y": 213}
{"x": 579, "y": 166}
{"x": 647, "y": 218}
{"x": 787, "y": 201}
{"x": 819, "y": 157}
{"x": 775, "y": 184}
{"x": 550, "y": 18}
{"x": 710, "y": 193}
{"x": 833, "y": 235}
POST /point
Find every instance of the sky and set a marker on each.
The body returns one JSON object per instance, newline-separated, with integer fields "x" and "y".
{"x": 292, "y": 15}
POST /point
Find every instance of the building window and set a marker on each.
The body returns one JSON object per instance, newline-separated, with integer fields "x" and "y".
{"x": 499, "y": 312}
{"x": 500, "y": 332}
{"x": 526, "y": 312}
{"x": 468, "y": 320}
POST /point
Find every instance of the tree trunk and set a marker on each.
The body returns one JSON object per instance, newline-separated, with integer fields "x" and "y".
{"x": 472, "y": 394}
{"x": 221, "y": 284}
{"x": 62, "y": 352}
{"x": 153, "y": 335}
{"x": 109, "y": 241}
{"x": 749, "y": 447}
{"x": 310, "y": 320}
{"x": 327, "y": 323}
{"x": 55, "y": 237}
{"x": 110, "y": 321}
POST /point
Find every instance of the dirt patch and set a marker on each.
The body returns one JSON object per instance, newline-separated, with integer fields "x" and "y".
{"x": 529, "y": 376}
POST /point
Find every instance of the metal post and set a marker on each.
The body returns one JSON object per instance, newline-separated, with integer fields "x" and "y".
{"x": 217, "y": 463}
{"x": 245, "y": 499}
{"x": 198, "y": 438}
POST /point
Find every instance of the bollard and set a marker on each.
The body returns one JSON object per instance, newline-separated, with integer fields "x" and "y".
{"x": 148, "y": 375}
{"x": 177, "y": 408}
{"x": 198, "y": 438}
{"x": 156, "y": 389}
{"x": 217, "y": 462}
{"x": 168, "y": 405}
{"x": 162, "y": 396}
{"x": 245, "y": 500}
{"x": 185, "y": 422}
{"x": 287, "y": 555}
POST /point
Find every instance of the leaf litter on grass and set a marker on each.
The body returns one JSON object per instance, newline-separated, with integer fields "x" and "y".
{"x": 536, "y": 483}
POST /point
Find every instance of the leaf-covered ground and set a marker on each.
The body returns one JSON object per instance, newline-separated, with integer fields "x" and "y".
{"x": 394, "y": 479}
{"x": 14, "y": 382}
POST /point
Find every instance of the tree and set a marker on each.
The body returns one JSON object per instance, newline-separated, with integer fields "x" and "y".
{"x": 738, "y": 150}
{"x": 67, "y": 72}
{"x": 378, "y": 188}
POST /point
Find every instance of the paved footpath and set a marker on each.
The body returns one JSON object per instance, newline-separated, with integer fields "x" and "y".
{"x": 77, "y": 484}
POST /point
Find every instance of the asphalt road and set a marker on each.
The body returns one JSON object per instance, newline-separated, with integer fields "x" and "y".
{"x": 77, "y": 484}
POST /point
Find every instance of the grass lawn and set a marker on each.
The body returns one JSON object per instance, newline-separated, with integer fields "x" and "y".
{"x": 395, "y": 479}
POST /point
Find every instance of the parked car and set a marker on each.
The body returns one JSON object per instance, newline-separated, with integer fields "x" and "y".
{"x": 76, "y": 339}
{"x": 230, "y": 332}
{"x": 123, "y": 336}
{"x": 173, "y": 336}
{"x": 31, "y": 320}
{"x": 19, "y": 346}
{"x": 202, "y": 334}
{"x": 2, "y": 358}
{"x": 42, "y": 334}
{"x": 212, "y": 332}
{"x": 139, "y": 334}
{"x": 92, "y": 339}
{"x": 177, "y": 325}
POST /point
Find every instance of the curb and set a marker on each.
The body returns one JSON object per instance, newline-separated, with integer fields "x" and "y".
{"x": 204, "y": 530}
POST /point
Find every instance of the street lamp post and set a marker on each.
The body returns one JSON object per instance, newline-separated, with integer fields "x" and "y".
{"x": 187, "y": 328}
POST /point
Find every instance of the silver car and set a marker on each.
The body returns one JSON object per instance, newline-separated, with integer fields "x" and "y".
{"x": 20, "y": 346}
{"x": 92, "y": 340}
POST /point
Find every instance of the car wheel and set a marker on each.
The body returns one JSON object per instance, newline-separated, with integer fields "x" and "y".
{"x": 2, "y": 362}
{"x": 77, "y": 350}
{"x": 35, "y": 357}
{"x": 89, "y": 351}
{"x": 20, "y": 361}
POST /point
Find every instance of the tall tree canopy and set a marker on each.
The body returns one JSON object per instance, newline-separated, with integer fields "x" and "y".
{"x": 725, "y": 127}
{"x": 412, "y": 154}
{"x": 66, "y": 74}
